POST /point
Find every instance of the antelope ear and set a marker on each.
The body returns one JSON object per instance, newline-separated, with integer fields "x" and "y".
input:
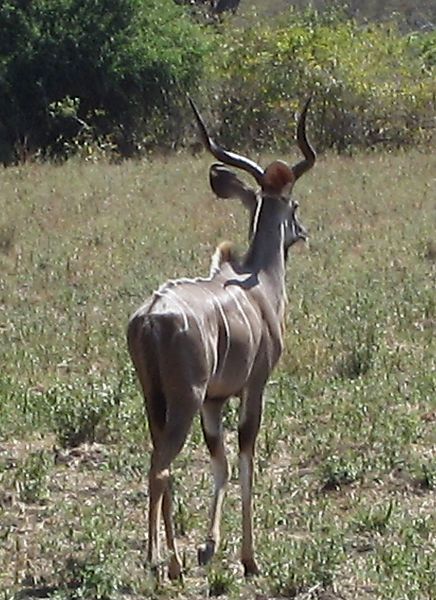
{"x": 278, "y": 176}
{"x": 226, "y": 184}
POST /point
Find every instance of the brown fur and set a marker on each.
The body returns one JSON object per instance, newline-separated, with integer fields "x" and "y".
{"x": 277, "y": 176}
{"x": 224, "y": 253}
{"x": 227, "y": 252}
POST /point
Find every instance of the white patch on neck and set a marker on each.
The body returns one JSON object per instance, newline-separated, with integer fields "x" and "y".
{"x": 282, "y": 243}
{"x": 256, "y": 217}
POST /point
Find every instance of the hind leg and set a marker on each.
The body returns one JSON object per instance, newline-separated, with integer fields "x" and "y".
{"x": 211, "y": 421}
{"x": 156, "y": 413}
{"x": 175, "y": 564}
{"x": 249, "y": 421}
{"x": 178, "y": 423}
{"x": 160, "y": 500}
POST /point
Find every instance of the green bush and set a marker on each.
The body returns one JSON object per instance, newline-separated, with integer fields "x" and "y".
{"x": 77, "y": 72}
{"x": 93, "y": 68}
{"x": 425, "y": 43}
{"x": 371, "y": 86}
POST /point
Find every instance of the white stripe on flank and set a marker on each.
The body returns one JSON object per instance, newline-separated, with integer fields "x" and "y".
{"x": 171, "y": 283}
{"x": 160, "y": 294}
{"x": 167, "y": 288}
{"x": 242, "y": 313}
{"x": 213, "y": 346}
{"x": 180, "y": 302}
{"x": 256, "y": 316}
{"x": 217, "y": 303}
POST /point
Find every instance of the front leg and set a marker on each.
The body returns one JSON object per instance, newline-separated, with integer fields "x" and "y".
{"x": 249, "y": 421}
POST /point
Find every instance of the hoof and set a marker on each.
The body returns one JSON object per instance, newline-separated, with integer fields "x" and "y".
{"x": 175, "y": 569}
{"x": 250, "y": 568}
{"x": 205, "y": 552}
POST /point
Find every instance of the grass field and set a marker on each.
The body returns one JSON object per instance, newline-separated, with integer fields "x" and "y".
{"x": 346, "y": 473}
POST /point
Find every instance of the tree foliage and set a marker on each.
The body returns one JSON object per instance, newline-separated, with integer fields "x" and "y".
{"x": 372, "y": 85}
{"x": 104, "y": 67}
{"x": 117, "y": 71}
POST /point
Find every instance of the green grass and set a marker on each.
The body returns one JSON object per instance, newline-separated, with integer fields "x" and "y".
{"x": 345, "y": 475}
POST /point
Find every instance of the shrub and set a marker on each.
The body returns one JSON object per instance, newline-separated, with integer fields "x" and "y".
{"x": 81, "y": 415}
{"x": 76, "y": 73}
{"x": 105, "y": 67}
{"x": 425, "y": 43}
{"x": 370, "y": 84}
{"x": 31, "y": 478}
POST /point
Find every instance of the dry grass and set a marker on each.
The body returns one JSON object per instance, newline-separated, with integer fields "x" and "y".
{"x": 345, "y": 471}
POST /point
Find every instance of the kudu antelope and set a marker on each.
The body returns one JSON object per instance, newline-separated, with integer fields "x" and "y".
{"x": 196, "y": 342}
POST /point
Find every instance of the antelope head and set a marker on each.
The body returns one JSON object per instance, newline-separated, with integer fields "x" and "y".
{"x": 275, "y": 183}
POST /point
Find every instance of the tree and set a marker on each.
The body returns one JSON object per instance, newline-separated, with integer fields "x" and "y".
{"x": 112, "y": 68}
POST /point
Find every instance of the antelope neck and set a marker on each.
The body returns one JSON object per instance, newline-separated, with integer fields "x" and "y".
{"x": 265, "y": 256}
